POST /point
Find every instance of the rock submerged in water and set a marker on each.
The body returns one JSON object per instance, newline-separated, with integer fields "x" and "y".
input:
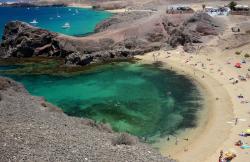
{"x": 120, "y": 37}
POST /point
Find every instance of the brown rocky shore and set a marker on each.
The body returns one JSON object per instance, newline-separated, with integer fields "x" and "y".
{"x": 34, "y": 130}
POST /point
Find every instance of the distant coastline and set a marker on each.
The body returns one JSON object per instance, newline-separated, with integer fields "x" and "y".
{"x": 16, "y": 4}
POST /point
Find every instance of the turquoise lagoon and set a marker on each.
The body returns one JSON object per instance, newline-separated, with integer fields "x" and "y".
{"x": 143, "y": 100}
{"x": 82, "y": 21}
{"x": 140, "y": 99}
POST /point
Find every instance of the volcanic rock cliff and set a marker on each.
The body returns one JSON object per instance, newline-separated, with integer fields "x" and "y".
{"x": 120, "y": 37}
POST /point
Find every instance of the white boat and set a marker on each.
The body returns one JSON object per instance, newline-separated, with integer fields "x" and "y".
{"x": 57, "y": 13}
{"x": 66, "y": 25}
{"x": 34, "y": 21}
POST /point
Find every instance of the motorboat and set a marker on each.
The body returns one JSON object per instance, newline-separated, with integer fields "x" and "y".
{"x": 66, "y": 25}
{"x": 34, "y": 21}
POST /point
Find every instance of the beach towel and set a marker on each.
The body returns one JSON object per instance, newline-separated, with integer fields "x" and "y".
{"x": 245, "y": 146}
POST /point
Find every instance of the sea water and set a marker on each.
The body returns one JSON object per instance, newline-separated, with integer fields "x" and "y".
{"x": 82, "y": 21}
{"x": 143, "y": 100}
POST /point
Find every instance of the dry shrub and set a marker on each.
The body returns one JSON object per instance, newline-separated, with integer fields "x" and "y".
{"x": 4, "y": 83}
{"x": 124, "y": 139}
{"x": 237, "y": 52}
{"x": 43, "y": 104}
{"x": 105, "y": 127}
{"x": 101, "y": 126}
{"x": 246, "y": 55}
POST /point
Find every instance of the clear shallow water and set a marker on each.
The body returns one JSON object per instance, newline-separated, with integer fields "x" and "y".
{"x": 131, "y": 97}
{"x": 82, "y": 21}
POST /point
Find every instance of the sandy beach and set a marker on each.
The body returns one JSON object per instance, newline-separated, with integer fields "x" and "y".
{"x": 217, "y": 129}
{"x": 79, "y": 5}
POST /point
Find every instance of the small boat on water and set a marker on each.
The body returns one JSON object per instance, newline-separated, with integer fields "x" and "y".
{"x": 57, "y": 13}
{"x": 66, "y": 25}
{"x": 34, "y": 21}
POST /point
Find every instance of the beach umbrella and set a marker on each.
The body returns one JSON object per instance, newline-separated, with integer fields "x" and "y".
{"x": 247, "y": 131}
{"x": 229, "y": 155}
{"x": 237, "y": 65}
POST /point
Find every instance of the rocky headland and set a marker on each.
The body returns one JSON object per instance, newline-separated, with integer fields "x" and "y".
{"x": 120, "y": 37}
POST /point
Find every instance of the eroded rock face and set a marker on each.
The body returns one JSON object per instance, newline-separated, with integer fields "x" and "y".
{"x": 22, "y": 40}
{"x": 120, "y": 37}
{"x": 111, "y": 5}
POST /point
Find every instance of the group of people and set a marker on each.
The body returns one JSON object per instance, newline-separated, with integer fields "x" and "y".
{"x": 227, "y": 157}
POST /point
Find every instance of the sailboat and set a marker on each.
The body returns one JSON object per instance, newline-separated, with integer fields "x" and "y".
{"x": 57, "y": 13}
{"x": 34, "y": 21}
{"x": 66, "y": 25}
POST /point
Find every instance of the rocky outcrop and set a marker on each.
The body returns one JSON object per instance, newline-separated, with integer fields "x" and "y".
{"x": 120, "y": 37}
{"x": 111, "y": 5}
{"x": 22, "y": 40}
{"x": 121, "y": 18}
{"x": 34, "y": 130}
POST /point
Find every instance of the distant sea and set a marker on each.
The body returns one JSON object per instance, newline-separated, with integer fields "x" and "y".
{"x": 82, "y": 21}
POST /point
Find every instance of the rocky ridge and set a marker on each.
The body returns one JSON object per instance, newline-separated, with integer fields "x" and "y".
{"x": 120, "y": 37}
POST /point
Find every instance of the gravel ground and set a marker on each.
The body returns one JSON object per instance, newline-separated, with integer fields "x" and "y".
{"x": 33, "y": 130}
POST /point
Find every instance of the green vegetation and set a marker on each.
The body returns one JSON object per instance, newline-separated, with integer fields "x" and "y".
{"x": 232, "y": 5}
{"x": 203, "y": 6}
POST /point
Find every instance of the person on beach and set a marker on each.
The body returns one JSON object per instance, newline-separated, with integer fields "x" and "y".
{"x": 176, "y": 141}
{"x": 154, "y": 56}
{"x": 221, "y": 156}
{"x": 236, "y": 121}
